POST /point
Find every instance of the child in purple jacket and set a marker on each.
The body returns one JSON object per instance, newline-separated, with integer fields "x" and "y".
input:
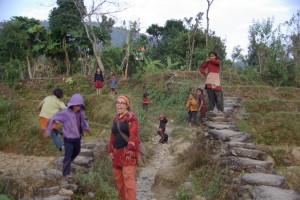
{"x": 73, "y": 124}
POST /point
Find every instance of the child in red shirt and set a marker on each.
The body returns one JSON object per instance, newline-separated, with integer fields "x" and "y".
{"x": 145, "y": 101}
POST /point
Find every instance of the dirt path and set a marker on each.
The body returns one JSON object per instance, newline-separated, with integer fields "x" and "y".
{"x": 162, "y": 162}
{"x": 22, "y": 167}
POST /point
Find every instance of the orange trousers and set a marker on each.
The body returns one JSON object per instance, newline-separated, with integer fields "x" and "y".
{"x": 125, "y": 180}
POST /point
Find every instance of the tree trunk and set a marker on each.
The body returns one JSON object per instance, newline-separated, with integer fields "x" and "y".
{"x": 207, "y": 21}
{"x": 67, "y": 60}
{"x": 29, "y": 67}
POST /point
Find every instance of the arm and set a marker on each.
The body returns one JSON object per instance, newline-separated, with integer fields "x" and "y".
{"x": 215, "y": 62}
{"x": 111, "y": 143}
{"x": 133, "y": 139}
{"x": 41, "y": 105}
{"x": 85, "y": 125}
{"x": 188, "y": 104}
{"x": 201, "y": 104}
{"x": 59, "y": 116}
{"x": 202, "y": 67}
{"x": 61, "y": 105}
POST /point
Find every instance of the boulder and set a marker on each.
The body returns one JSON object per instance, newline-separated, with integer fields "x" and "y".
{"x": 248, "y": 164}
{"x": 261, "y": 179}
{"x": 248, "y": 153}
{"x": 273, "y": 193}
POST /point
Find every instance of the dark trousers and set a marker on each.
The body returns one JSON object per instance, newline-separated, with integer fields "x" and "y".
{"x": 192, "y": 117}
{"x": 215, "y": 98}
{"x": 202, "y": 114}
{"x": 145, "y": 106}
{"x": 164, "y": 137}
{"x": 72, "y": 150}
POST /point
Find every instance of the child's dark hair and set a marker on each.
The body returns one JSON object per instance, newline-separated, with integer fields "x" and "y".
{"x": 58, "y": 93}
{"x": 200, "y": 90}
{"x": 214, "y": 53}
{"x": 145, "y": 94}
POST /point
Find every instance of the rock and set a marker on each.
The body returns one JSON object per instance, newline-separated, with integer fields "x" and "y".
{"x": 262, "y": 179}
{"x": 241, "y": 145}
{"x": 52, "y": 174}
{"x": 91, "y": 194}
{"x": 86, "y": 153}
{"x": 90, "y": 145}
{"x": 47, "y": 191}
{"x": 65, "y": 192}
{"x": 296, "y": 155}
{"x": 248, "y": 153}
{"x": 251, "y": 165}
{"x": 55, "y": 197}
{"x": 76, "y": 164}
{"x": 273, "y": 193}
{"x": 188, "y": 186}
{"x": 219, "y": 126}
{"x": 198, "y": 197}
{"x": 229, "y": 135}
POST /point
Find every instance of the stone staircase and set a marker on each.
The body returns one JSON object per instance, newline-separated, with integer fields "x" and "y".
{"x": 53, "y": 190}
{"x": 259, "y": 180}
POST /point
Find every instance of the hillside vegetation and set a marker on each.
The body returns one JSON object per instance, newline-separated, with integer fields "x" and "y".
{"x": 270, "y": 114}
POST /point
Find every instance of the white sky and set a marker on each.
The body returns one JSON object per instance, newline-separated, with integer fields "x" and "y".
{"x": 230, "y": 19}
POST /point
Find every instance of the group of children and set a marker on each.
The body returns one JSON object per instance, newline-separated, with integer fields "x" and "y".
{"x": 194, "y": 106}
{"x": 99, "y": 80}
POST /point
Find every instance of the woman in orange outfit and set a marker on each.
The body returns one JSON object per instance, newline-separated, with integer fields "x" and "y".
{"x": 124, "y": 151}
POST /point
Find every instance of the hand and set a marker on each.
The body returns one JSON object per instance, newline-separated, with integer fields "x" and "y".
{"x": 87, "y": 130}
{"x": 111, "y": 156}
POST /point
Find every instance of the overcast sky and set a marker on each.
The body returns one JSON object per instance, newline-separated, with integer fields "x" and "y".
{"x": 230, "y": 19}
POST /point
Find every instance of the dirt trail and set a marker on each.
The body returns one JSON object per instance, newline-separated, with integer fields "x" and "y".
{"x": 163, "y": 160}
{"x": 22, "y": 167}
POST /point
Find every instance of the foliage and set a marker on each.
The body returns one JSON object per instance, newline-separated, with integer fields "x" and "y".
{"x": 98, "y": 180}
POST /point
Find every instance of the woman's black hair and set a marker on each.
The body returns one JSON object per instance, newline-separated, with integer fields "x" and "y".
{"x": 215, "y": 53}
{"x": 58, "y": 93}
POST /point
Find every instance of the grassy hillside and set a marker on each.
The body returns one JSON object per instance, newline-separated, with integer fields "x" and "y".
{"x": 271, "y": 115}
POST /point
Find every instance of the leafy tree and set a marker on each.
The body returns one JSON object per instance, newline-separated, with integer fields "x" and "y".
{"x": 156, "y": 31}
{"x": 63, "y": 21}
{"x": 237, "y": 54}
{"x": 18, "y": 37}
{"x": 192, "y": 33}
{"x": 95, "y": 34}
{"x": 260, "y": 35}
{"x": 292, "y": 42}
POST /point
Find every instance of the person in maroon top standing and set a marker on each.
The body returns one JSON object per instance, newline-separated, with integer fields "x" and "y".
{"x": 211, "y": 69}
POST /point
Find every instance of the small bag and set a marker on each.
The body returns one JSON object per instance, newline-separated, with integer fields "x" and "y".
{"x": 141, "y": 160}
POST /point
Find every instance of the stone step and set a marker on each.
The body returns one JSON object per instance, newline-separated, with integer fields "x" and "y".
{"x": 229, "y": 135}
{"x": 79, "y": 160}
{"x": 244, "y": 145}
{"x": 250, "y": 165}
{"x": 54, "y": 197}
{"x": 260, "y": 179}
{"x": 90, "y": 144}
{"x": 219, "y": 125}
{"x": 273, "y": 193}
{"x": 248, "y": 153}
{"x": 86, "y": 153}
